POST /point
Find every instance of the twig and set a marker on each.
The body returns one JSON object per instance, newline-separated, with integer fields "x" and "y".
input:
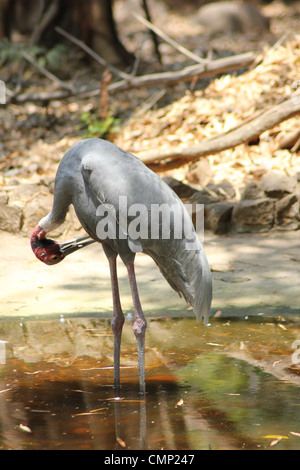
{"x": 169, "y": 40}
{"x": 47, "y": 73}
{"x": 137, "y": 60}
{"x": 153, "y": 33}
{"x": 92, "y": 53}
{"x": 150, "y": 102}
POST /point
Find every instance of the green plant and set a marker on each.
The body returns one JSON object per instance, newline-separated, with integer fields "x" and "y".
{"x": 98, "y": 128}
{"x": 12, "y": 52}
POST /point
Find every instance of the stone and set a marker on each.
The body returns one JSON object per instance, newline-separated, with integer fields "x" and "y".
{"x": 253, "y": 215}
{"x": 230, "y": 17}
{"x": 287, "y": 215}
{"x": 11, "y": 218}
{"x": 34, "y": 210}
{"x": 184, "y": 191}
{"x": 217, "y": 216}
{"x": 24, "y": 192}
{"x": 277, "y": 185}
{"x": 205, "y": 197}
{"x": 189, "y": 194}
{"x": 224, "y": 189}
{"x": 200, "y": 173}
{"x": 253, "y": 190}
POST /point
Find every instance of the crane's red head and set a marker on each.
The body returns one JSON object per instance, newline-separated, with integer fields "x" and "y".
{"x": 45, "y": 249}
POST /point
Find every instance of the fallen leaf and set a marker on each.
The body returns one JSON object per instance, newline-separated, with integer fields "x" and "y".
{"x": 180, "y": 402}
{"x": 274, "y": 442}
{"x": 24, "y": 428}
{"x": 121, "y": 442}
{"x": 295, "y": 433}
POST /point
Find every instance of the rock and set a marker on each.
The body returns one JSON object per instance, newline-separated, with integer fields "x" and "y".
{"x": 190, "y": 194}
{"x": 224, "y": 189}
{"x": 252, "y": 190}
{"x": 287, "y": 215}
{"x": 34, "y": 210}
{"x": 217, "y": 217}
{"x": 277, "y": 185}
{"x": 182, "y": 190}
{"x": 253, "y": 215}
{"x": 213, "y": 193}
{"x": 24, "y": 192}
{"x": 205, "y": 196}
{"x": 200, "y": 173}
{"x": 11, "y": 218}
{"x": 230, "y": 17}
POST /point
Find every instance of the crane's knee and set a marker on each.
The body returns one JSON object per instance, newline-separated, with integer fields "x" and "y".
{"x": 117, "y": 324}
{"x": 139, "y": 327}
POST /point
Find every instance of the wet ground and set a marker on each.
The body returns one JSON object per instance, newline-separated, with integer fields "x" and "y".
{"x": 231, "y": 385}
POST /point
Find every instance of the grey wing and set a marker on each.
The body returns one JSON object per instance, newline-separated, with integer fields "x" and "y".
{"x": 181, "y": 259}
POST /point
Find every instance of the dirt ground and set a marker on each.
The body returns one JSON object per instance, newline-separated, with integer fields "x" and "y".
{"x": 256, "y": 274}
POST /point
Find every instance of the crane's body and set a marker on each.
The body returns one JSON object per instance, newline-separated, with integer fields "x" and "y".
{"x": 95, "y": 174}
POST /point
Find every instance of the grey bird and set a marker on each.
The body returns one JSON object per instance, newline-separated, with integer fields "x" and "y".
{"x": 128, "y": 209}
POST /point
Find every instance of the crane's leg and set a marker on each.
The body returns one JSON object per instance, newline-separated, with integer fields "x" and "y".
{"x": 139, "y": 326}
{"x": 117, "y": 320}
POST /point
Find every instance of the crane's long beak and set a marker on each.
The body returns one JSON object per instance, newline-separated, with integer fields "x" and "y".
{"x": 69, "y": 247}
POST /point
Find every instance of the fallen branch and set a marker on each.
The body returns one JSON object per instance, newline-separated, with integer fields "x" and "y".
{"x": 206, "y": 69}
{"x": 243, "y": 133}
{"x": 186, "y": 74}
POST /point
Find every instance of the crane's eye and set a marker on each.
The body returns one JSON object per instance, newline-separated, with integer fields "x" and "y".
{"x": 54, "y": 257}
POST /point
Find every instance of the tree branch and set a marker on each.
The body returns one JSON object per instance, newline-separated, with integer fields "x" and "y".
{"x": 241, "y": 134}
{"x": 186, "y": 74}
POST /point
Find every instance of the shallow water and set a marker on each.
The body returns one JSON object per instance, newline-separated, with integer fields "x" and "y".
{"x": 232, "y": 385}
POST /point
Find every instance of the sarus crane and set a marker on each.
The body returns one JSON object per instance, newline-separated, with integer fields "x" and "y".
{"x": 95, "y": 176}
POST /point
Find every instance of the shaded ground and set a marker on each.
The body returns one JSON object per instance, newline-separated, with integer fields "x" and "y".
{"x": 252, "y": 275}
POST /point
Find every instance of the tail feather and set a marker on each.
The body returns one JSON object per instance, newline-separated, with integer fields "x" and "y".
{"x": 188, "y": 273}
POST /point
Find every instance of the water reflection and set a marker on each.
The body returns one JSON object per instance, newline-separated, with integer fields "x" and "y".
{"x": 217, "y": 387}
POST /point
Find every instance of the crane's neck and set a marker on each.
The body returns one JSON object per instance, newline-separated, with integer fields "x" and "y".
{"x": 48, "y": 224}
{"x": 61, "y": 203}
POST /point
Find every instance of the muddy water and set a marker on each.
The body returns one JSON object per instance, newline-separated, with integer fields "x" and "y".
{"x": 232, "y": 385}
